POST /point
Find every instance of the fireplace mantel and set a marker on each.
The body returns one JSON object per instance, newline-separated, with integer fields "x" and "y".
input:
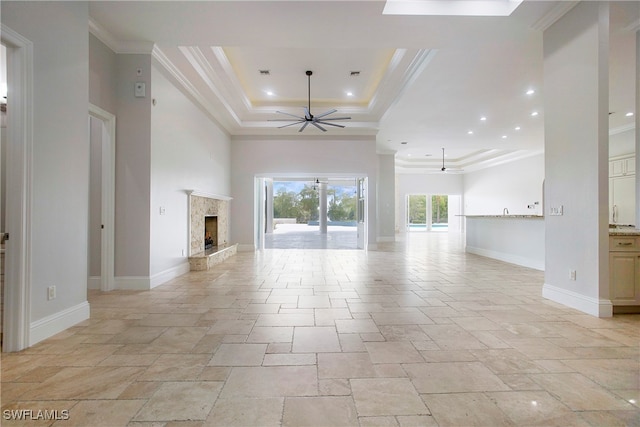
{"x": 207, "y": 195}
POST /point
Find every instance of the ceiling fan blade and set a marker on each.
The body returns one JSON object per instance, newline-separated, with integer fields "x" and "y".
{"x": 326, "y": 114}
{"x": 318, "y": 126}
{"x": 292, "y": 115}
{"x": 306, "y": 122}
{"x": 307, "y": 113}
{"x": 291, "y": 124}
{"x": 328, "y": 124}
{"x": 338, "y": 118}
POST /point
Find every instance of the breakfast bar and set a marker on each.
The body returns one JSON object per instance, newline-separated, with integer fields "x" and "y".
{"x": 517, "y": 239}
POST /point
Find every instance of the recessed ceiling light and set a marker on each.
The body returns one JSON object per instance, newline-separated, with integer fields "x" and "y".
{"x": 409, "y": 155}
{"x": 349, "y": 93}
{"x": 428, "y": 155}
{"x": 535, "y": 113}
{"x": 629, "y": 114}
{"x": 504, "y": 136}
{"x": 517, "y": 128}
{"x": 270, "y": 93}
{"x": 355, "y": 73}
{"x": 264, "y": 72}
{"x": 483, "y": 119}
{"x": 404, "y": 143}
{"x": 531, "y": 92}
{"x": 470, "y": 132}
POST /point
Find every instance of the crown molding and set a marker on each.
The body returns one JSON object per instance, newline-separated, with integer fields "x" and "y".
{"x": 557, "y": 12}
{"x": 120, "y": 47}
{"x": 632, "y": 27}
{"x": 620, "y": 129}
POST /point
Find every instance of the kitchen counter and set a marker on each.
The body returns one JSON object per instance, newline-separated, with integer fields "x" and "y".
{"x": 624, "y": 231}
{"x": 518, "y": 239}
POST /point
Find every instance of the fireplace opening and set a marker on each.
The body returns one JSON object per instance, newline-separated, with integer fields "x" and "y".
{"x": 210, "y": 232}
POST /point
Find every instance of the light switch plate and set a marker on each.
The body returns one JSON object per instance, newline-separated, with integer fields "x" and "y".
{"x": 140, "y": 90}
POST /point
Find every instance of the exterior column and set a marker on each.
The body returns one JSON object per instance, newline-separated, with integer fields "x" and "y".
{"x": 268, "y": 217}
{"x": 322, "y": 194}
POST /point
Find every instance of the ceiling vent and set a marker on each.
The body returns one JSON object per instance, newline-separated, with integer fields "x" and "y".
{"x": 355, "y": 73}
{"x": 264, "y": 72}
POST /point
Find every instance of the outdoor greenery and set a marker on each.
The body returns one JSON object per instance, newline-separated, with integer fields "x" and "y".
{"x": 418, "y": 209}
{"x": 303, "y": 205}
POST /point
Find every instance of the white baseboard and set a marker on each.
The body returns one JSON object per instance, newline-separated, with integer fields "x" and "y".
{"x": 93, "y": 282}
{"x": 246, "y": 248}
{"x": 49, "y": 326}
{"x": 133, "y": 283}
{"x": 593, "y": 306}
{"x": 171, "y": 273}
{"x": 510, "y": 258}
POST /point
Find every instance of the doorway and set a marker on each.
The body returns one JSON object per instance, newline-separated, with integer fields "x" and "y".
{"x": 288, "y": 212}
{"x": 431, "y": 212}
{"x": 100, "y": 257}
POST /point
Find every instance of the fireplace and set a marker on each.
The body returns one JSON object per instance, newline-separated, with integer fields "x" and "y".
{"x": 210, "y": 232}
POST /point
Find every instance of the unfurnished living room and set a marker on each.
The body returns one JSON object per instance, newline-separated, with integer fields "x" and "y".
{"x": 322, "y": 213}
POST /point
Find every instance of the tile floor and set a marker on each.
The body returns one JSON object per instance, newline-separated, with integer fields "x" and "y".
{"x": 415, "y": 334}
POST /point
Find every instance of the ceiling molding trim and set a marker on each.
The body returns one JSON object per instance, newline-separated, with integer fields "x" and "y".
{"x": 103, "y": 35}
{"x": 200, "y": 64}
{"x": 633, "y": 27}
{"x": 136, "y": 48}
{"x": 620, "y": 129}
{"x": 119, "y": 47}
{"x": 162, "y": 60}
{"x": 554, "y": 14}
{"x": 420, "y": 61}
{"x": 230, "y": 73}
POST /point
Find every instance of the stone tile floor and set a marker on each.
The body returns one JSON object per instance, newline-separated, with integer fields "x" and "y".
{"x": 417, "y": 333}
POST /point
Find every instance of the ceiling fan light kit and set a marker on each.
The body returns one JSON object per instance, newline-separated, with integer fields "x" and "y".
{"x": 308, "y": 118}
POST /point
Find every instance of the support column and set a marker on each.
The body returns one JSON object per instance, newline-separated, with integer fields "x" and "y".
{"x": 637, "y": 116}
{"x": 576, "y": 114}
{"x": 322, "y": 194}
{"x": 268, "y": 206}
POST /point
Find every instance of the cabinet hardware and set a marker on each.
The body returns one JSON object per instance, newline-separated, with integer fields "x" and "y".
{"x": 625, "y": 243}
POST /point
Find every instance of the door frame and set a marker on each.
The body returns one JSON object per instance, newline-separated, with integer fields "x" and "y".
{"x": 107, "y": 248}
{"x": 17, "y": 293}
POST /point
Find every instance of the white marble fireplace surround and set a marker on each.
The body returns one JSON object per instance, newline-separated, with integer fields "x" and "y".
{"x": 201, "y": 205}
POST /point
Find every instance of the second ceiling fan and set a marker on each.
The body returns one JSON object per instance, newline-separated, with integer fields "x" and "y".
{"x": 309, "y": 118}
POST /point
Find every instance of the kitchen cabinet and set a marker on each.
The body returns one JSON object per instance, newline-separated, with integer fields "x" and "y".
{"x": 624, "y": 270}
{"x": 622, "y": 167}
{"x": 622, "y": 200}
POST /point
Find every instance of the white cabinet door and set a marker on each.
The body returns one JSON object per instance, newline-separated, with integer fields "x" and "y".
{"x": 624, "y": 200}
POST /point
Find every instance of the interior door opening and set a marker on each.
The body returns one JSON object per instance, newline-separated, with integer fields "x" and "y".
{"x": 100, "y": 256}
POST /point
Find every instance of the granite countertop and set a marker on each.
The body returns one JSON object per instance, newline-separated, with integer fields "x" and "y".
{"x": 623, "y": 230}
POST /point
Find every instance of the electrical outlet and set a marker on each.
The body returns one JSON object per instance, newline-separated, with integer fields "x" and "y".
{"x": 51, "y": 293}
{"x": 572, "y": 274}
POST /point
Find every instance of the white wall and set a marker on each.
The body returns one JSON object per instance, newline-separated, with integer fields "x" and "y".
{"x": 386, "y": 197}
{"x": 251, "y": 157}
{"x": 102, "y": 75}
{"x": 133, "y": 168}
{"x": 95, "y": 196}
{"x": 188, "y": 151}
{"x": 512, "y": 185}
{"x": 407, "y": 184}
{"x": 576, "y": 158}
{"x": 60, "y": 169}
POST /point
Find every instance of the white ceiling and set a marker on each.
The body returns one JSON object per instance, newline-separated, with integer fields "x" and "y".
{"x": 424, "y": 80}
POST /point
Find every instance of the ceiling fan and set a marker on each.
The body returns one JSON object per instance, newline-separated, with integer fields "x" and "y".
{"x": 445, "y": 169}
{"x": 309, "y": 118}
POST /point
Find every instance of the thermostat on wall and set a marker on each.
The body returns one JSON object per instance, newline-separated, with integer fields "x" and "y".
{"x": 139, "y": 91}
